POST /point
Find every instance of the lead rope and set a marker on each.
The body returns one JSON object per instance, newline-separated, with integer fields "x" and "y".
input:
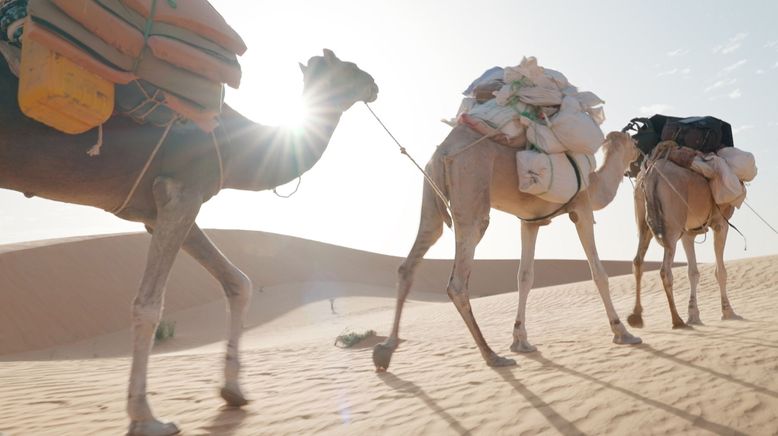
{"x": 652, "y": 166}
{"x": 145, "y": 167}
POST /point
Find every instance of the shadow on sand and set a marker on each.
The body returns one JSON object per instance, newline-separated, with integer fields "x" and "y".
{"x": 695, "y": 420}
{"x": 405, "y": 386}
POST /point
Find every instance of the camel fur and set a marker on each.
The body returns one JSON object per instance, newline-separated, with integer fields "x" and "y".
{"x": 478, "y": 178}
{"x": 672, "y": 203}
{"x": 187, "y": 171}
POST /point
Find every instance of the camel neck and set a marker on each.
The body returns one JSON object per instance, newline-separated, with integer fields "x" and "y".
{"x": 604, "y": 183}
{"x": 261, "y": 157}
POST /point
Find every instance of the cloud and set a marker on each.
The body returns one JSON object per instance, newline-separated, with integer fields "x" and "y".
{"x": 656, "y": 108}
{"x": 742, "y": 128}
{"x": 678, "y": 52}
{"x": 668, "y": 72}
{"x": 731, "y": 45}
{"x": 733, "y": 67}
{"x": 771, "y": 44}
{"x": 735, "y": 94}
{"x": 673, "y": 71}
{"x": 720, "y": 83}
{"x": 775, "y": 65}
{"x": 759, "y": 71}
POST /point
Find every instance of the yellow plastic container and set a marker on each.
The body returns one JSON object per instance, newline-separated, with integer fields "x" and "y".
{"x": 59, "y": 93}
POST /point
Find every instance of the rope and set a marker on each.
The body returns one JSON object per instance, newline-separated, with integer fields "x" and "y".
{"x": 95, "y": 149}
{"x": 760, "y": 217}
{"x": 429, "y": 180}
{"x": 219, "y": 158}
{"x": 653, "y": 167}
{"x": 145, "y": 167}
{"x": 299, "y": 180}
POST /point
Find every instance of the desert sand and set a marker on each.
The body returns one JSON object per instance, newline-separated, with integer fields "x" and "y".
{"x": 64, "y": 345}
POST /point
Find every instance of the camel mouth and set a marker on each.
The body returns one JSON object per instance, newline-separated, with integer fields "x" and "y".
{"x": 372, "y": 94}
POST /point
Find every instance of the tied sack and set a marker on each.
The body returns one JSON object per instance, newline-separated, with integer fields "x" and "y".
{"x": 552, "y": 176}
{"x": 571, "y": 129}
{"x": 741, "y": 162}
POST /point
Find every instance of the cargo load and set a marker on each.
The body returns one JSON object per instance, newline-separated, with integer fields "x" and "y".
{"x": 167, "y": 59}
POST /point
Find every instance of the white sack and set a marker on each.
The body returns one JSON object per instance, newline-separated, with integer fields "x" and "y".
{"x": 504, "y": 118}
{"x": 551, "y": 176}
{"x": 575, "y": 128}
{"x": 741, "y": 162}
{"x": 725, "y": 185}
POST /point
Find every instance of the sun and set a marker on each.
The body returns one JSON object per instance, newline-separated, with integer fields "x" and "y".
{"x": 292, "y": 112}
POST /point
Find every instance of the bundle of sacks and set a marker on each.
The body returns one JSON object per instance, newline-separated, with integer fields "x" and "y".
{"x": 726, "y": 170}
{"x": 537, "y": 108}
{"x": 167, "y": 58}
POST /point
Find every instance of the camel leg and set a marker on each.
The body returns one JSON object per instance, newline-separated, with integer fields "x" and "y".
{"x": 525, "y": 278}
{"x": 237, "y": 288}
{"x": 719, "y": 240}
{"x": 644, "y": 239}
{"x": 666, "y": 273}
{"x": 694, "y": 279}
{"x": 176, "y": 212}
{"x": 467, "y": 237}
{"x": 585, "y": 227}
{"x": 430, "y": 229}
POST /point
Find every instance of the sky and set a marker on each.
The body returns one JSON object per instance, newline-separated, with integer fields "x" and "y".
{"x": 685, "y": 58}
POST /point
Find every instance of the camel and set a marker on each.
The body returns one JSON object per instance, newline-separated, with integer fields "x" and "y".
{"x": 478, "y": 177}
{"x": 189, "y": 169}
{"x": 669, "y": 213}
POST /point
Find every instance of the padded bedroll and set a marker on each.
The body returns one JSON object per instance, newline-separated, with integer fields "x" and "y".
{"x": 129, "y": 40}
{"x": 205, "y": 94}
{"x": 195, "y": 15}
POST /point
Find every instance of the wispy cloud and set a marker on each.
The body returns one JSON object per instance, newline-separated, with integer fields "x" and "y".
{"x": 679, "y": 52}
{"x": 775, "y": 65}
{"x": 771, "y": 44}
{"x": 733, "y": 67}
{"x": 668, "y": 72}
{"x": 742, "y": 128}
{"x": 673, "y": 71}
{"x": 759, "y": 71}
{"x": 735, "y": 94}
{"x": 656, "y": 108}
{"x": 731, "y": 45}
{"x": 720, "y": 83}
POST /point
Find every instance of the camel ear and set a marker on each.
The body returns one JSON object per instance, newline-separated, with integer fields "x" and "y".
{"x": 302, "y": 67}
{"x": 329, "y": 56}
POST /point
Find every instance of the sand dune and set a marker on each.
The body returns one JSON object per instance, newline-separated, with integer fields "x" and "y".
{"x": 77, "y": 289}
{"x": 715, "y": 379}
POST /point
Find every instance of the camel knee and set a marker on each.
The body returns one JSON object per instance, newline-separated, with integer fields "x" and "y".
{"x": 600, "y": 278}
{"x": 148, "y": 313}
{"x": 238, "y": 289}
{"x": 666, "y": 275}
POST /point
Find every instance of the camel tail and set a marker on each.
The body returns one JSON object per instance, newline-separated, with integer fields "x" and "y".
{"x": 436, "y": 170}
{"x": 654, "y": 210}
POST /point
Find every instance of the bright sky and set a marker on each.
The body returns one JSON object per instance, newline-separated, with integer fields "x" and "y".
{"x": 681, "y": 58}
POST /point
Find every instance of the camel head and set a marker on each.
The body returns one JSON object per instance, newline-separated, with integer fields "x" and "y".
{"x": 622, "y": 145}
{"x": 330, "y": 81}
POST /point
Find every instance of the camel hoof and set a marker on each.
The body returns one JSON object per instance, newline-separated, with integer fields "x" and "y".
{"x": 382, "y": 355}
{"x": 635, "y": 320}
{"x": 626, "y": 339}
{"x": 152, "y": 428}
{"x": 233, "y": 397}
{"x": 682, "y": 325}
{"x": 522, "y": 346}
{"x": 498, "y": 361}
{"x": 731, "y": 316}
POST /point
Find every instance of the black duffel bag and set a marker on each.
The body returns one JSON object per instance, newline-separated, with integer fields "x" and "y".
{"x": 706, "y": 134}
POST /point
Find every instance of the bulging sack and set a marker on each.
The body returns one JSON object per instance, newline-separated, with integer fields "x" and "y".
{"x": 552, "y": 176}
{"x": 741, "y": 162}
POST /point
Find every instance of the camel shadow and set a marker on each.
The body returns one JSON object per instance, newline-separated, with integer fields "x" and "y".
{"x": 226, "y": 422}
{"x": 562, "y": 425}
{"x": 726, "y": 377}
{"x": 407, "y": 387}
{"x": 695, "y": 420}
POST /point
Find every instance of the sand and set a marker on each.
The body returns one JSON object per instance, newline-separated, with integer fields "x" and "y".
{"x": 64, "y": 313}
